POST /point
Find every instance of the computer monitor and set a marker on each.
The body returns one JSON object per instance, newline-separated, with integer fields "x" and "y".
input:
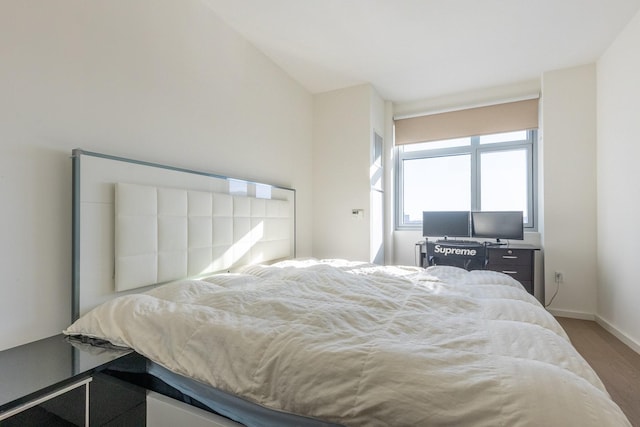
{"x": 445, "y": 223}
{"x": 497, "y": 225}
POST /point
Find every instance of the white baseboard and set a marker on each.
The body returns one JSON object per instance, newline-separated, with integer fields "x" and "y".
{"x": 630, "y": 342}
{"x": 572, "y": 314}
{"x": 634, "y": 345}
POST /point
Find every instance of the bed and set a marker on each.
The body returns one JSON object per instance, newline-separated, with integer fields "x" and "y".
{"x": 264, "y": 338}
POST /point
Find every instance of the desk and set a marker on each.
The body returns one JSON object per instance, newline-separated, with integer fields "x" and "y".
{"x": 516, "y": 260}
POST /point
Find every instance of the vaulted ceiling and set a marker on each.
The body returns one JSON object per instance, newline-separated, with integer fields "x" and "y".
{"x": 416, "y": 49}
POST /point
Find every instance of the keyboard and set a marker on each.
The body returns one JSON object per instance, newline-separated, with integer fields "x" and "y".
{"x": 461, "y": 243}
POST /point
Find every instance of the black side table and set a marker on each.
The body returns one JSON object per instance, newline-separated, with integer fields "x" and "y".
{"x": 52, "y": 382}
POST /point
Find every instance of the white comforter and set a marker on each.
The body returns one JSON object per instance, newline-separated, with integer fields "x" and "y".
{"x": 362, "y": 345}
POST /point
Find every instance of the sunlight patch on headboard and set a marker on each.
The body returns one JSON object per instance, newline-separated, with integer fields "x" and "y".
{"x": 165, "y": 234}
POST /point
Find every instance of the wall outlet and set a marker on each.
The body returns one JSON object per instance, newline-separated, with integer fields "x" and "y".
{"x": 558, "y": 277}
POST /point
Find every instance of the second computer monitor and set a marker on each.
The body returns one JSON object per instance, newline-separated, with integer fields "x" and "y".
{"x": 497, "y": 225}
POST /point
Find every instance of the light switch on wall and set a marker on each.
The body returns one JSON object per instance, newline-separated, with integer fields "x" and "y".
{"x": 357, "y": 214}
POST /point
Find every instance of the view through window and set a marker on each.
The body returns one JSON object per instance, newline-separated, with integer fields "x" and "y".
{"x": 489, "y": 172}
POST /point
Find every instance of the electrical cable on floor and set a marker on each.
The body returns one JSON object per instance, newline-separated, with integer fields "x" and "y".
{"x": 554, "y": 294}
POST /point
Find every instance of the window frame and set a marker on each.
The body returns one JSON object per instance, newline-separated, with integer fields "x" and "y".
{"x": 475, "y": 150}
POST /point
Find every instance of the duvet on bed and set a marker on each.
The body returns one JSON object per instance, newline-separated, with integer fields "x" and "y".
{"x": 364, "y": 345}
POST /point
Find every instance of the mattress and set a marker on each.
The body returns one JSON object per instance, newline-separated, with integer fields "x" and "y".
{"x": 357, "y": 344}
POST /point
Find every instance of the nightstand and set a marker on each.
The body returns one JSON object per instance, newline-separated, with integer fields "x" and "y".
{"x": 51, "y": 382}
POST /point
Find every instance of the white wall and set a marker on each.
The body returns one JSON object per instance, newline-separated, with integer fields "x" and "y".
{"x": 569, "y": 198}
{"x": 344, "y": 122}
{"x": 159, "y": 80}
{"x": 618, "y": 184}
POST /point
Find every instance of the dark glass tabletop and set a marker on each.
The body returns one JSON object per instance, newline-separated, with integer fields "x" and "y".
{"x": 45, "y": 365}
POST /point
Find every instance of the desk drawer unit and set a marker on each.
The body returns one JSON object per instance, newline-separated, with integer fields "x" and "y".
{"x": 517, "y": 263}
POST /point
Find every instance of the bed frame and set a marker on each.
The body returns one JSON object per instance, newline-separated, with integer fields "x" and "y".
{"x": 137, "y": 224}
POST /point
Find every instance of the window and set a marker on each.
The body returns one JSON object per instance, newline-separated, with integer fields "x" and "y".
{"x": 489, "y": 172}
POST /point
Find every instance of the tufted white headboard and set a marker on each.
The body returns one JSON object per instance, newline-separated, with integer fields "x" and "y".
{"x": 138, "y": 224}
{"x": 164, "y": 234}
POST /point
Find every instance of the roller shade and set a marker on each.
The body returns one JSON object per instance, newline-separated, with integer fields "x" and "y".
{"x": 507, "y": 117}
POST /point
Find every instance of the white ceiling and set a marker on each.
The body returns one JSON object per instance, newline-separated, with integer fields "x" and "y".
{"x": 416, "y": 49}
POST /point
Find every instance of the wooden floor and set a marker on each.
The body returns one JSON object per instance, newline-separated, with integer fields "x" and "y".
{"x": 616, "y": 364}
